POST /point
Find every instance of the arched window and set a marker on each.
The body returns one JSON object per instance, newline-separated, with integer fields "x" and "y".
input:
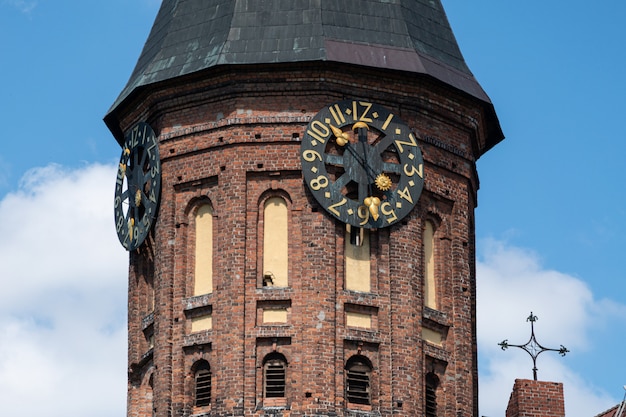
{"x": 202, "y": 383}
{"x": 203, "y": 275}
{"x": 275, "y": 243}
{"x": 358, "y": 375}
{"x": 274, "y": 375}
{"x": 430, "y": 405}
{"x": 430, "y": 283}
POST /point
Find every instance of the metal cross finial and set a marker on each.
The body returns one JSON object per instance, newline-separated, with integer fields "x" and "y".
{"x": 532, "y": 346}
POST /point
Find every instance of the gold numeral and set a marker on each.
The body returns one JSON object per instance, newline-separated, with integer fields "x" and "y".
{"x": 150, "y": 148}
{"x": 335, "y": 111}
{"x": 144, "y": 134}
{"x": 363, "y": 213}
{"x": 133, "y": 137}
{"x": 386, "y": 209}
{"x": 319, "y": 182}
{"x": 419, "y": 170}
{"x": 399, "y": 142}
{"x": 386, "y": 124}
{"x": 368, "y": 106}
{"x": 406, "y": 194}
{"x": 333, "y": 207}
{"x": 319, "y": 131}
{"x": 310, "y": 155}
{"x": 120, "y": 176}
{"x": 363, "y": 117}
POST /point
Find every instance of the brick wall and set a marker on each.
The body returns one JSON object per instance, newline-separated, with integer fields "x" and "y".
{"x": 536, "y": 399}
{"x": 232, "y": 138}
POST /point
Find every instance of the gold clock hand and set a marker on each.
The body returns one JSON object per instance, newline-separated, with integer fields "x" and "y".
{"x": 131, "y": 227}
{"x": 341, "y": 138}
{"x": 370, "y": 174}
{"x": 372, "y": 203}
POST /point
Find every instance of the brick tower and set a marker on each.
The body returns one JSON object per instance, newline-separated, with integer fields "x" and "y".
{"x": 297, "y": 190}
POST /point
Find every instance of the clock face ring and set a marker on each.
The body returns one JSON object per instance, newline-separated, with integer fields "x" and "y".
{"x": 362, "y": 163}
{"x": 137, "y": 186}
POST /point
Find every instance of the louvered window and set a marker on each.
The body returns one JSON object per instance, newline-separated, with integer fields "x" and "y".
{"x": 275, "y": 378}
{"x": 431, "y": 395}
{"x": 358, "y": 382}
{"x": 203, "y": 385}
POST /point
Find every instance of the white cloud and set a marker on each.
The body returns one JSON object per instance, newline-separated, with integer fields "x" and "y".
{"x": 63, "y": 298}
{"x": 511, "y": 284}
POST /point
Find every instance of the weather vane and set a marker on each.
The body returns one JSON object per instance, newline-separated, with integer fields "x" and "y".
{"x": 532, "y": 346}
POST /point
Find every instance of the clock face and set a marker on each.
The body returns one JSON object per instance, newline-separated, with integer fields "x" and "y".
{"x": 137, "y": 186}
{"x": 362, "y": 163}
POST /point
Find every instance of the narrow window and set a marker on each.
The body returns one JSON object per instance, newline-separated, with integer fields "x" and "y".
{"x": 358, "y": 373}
{"x": 357, "y": 263}
{"x": 203, "y": 282}
{"x": 275, "y": 243}
{"x": 431, "y": 395}
{"x": 202, "y": 383}
{"x": 274, "y": 376}
{"x": 430, "y": 293}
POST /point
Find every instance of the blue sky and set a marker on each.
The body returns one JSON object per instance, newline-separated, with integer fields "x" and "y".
{"x": 551, "y": 221}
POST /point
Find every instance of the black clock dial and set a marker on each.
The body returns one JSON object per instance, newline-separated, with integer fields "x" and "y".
{"x": 137, "y": 187}
{"x": 362, "y": 164}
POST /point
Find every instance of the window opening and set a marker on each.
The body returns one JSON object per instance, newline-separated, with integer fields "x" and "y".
{"x": 431, "y": 395}
{"x": 357, "y": 260}
{"x": 430, "y": 283}
{"x": 275, "y": 376}
{"x": 358, "y": 372}
{"x": 356, "y": 235}
{"x": 203, "y": 384}
{"x": 275, "y": 243}
{"x": 203, "y": 275}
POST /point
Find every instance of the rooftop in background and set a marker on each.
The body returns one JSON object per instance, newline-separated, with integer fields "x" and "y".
{"x": 619, "y": 410}
{"x": 611, "y": 412}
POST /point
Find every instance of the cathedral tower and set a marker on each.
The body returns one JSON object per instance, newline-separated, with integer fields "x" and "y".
{"x": 296, "y": 191}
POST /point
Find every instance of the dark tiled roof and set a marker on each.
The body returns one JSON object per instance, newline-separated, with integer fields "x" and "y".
{"x": 193, "y": 35}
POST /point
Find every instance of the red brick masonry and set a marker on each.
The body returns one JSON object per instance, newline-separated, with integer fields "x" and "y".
{"x": 536, "y": 399}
